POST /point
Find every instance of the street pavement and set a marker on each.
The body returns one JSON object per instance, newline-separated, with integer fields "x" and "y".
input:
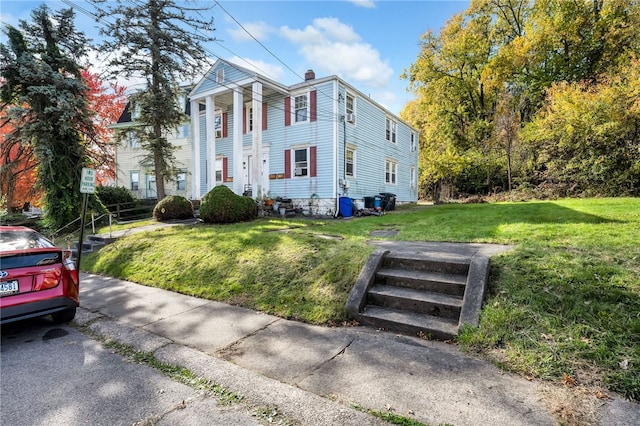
{"x": 316, "y": 375}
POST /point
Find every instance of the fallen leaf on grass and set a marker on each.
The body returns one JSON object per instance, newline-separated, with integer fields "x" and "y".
{"x": 568, "y": 380}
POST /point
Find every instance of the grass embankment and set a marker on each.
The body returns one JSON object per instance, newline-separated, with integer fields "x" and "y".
{"x": 563, "y": 306}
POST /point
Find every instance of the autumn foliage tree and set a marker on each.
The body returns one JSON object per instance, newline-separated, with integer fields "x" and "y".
{"x": 17, "y": 169}
{"x": 519, "y": 92}
{"x": 18, "y": 160}
{"x": 44, "y": 97}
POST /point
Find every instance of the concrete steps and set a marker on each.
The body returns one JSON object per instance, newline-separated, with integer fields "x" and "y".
{"x": 428, "y": 294}
{"x": 91, "y": 243}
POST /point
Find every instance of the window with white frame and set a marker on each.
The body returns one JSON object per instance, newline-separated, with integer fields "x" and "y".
{"x": 414, "y": 144}
{"x": 219, "y": 173}
{"x": 220, "y": 75}
{"x": 218, "y": 125}
{"x": 134, "y": 176}
{"x": 301, "y": 108}
{"x": 133, "y": 140}
{"x": 301, "y": 162}
{"x": 182, "y": 131}
{"x": 390, "y": 171}
{"x": 350, "y": 104}
{"x": 391, "y": 129}
{"x": 412, "y": 176}
{"x": 181, "y": 180}
{"x": 350, "y": 163}
{"x": 350, "y": 108}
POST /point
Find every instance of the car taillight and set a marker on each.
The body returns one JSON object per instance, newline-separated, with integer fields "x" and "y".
{"x": 49, "y": 278}
{"x": 67, "y": 260}
{"x": 70, "y": 265}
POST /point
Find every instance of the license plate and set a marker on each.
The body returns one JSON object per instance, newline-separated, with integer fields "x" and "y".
{"x": 9, "y": 287}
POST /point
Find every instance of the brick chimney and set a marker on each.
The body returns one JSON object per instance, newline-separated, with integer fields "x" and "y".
{"x": 309, "y": 75}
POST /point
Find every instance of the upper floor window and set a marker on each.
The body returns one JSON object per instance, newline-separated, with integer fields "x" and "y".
{"x": 390, "y": 171}
{"x": 414, "y": 142}
{"x": 301, "y": 162}
{"x": 134, "y": 142}
{"x": 220, "y": 75}
{"x": 350, "y": 162}
{"x": 350, "y": 104}
{"x": 218, "y": 125}
{"x": 301, "y": 108}
{"x": 391, "y": 129}
{"x": 350, "y": 108}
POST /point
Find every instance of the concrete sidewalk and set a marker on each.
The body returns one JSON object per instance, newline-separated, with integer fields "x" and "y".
{"x": 313, "y": 374}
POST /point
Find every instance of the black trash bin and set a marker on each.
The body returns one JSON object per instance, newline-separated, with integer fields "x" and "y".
{"x": 388, "y": 201}
{"x": 368, "y": 202}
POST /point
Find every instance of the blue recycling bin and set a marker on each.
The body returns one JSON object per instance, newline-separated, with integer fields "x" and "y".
{"x": 376, "y": 202}
{"x": 346, "y": 206}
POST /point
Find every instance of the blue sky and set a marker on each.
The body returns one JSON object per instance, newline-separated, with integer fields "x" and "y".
{"x": 367, "y": 43}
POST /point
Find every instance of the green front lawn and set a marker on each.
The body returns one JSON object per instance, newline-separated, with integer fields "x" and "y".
{"x": 563, "y": 306}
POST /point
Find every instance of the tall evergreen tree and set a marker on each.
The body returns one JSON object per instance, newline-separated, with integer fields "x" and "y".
{"x": 45, "y": 100}
{"x": 160, "y": 42}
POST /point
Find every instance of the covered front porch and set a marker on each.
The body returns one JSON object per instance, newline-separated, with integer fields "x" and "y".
{"x": 228, "y": 121}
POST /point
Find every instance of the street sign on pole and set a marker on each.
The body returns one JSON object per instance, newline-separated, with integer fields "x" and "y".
{"x": 87, "y": 186}
{"x": 88, "y": 181}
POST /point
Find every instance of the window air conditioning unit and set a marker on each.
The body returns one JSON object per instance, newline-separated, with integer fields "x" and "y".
{"x": 298, "y": 171}
{"x": 351, "y": 118}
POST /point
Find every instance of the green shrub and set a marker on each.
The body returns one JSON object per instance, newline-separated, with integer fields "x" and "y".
{"x": 110, "y": 195}
{"x": 222, "y": 205}
{"x": 173, "y": 207}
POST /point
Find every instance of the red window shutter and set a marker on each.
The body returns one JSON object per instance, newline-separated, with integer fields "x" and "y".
{"x": 312, "y": 162}
{"x": 264, "y": 116}
{"x": 225, "y": 164}
{"x": 287, "y": 163}
{"x": 287, "y": 111}
{"x": 313, "y": 107}
{"x": 244, "y": 120}
{"x": 225, "y": 128}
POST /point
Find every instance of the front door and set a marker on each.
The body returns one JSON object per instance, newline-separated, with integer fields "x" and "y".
{"x": 248, "y": 178}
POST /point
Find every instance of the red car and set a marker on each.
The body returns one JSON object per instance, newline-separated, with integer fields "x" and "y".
{"x": 36, "y": 277}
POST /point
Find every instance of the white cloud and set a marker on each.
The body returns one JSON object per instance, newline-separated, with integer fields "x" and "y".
{"x": 333, "y": 47}
{"x": 367, "y": 4}
{"x": 259, "y": 30}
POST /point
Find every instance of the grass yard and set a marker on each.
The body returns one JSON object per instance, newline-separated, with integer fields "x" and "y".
{"x": 564, "y": 306}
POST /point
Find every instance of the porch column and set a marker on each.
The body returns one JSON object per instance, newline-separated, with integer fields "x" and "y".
{"x": 211, "y": 142}
{"x": 195, "y": 150}
{"x": 256, "y": 105}
{"x": 238, "y": 173}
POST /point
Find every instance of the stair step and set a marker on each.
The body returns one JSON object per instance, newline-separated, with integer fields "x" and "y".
{"x": 409, "y": 322}
{"x": 419, "y": 301}
{"x": 446, "y": 283}
{"x": 435, "y": 262}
